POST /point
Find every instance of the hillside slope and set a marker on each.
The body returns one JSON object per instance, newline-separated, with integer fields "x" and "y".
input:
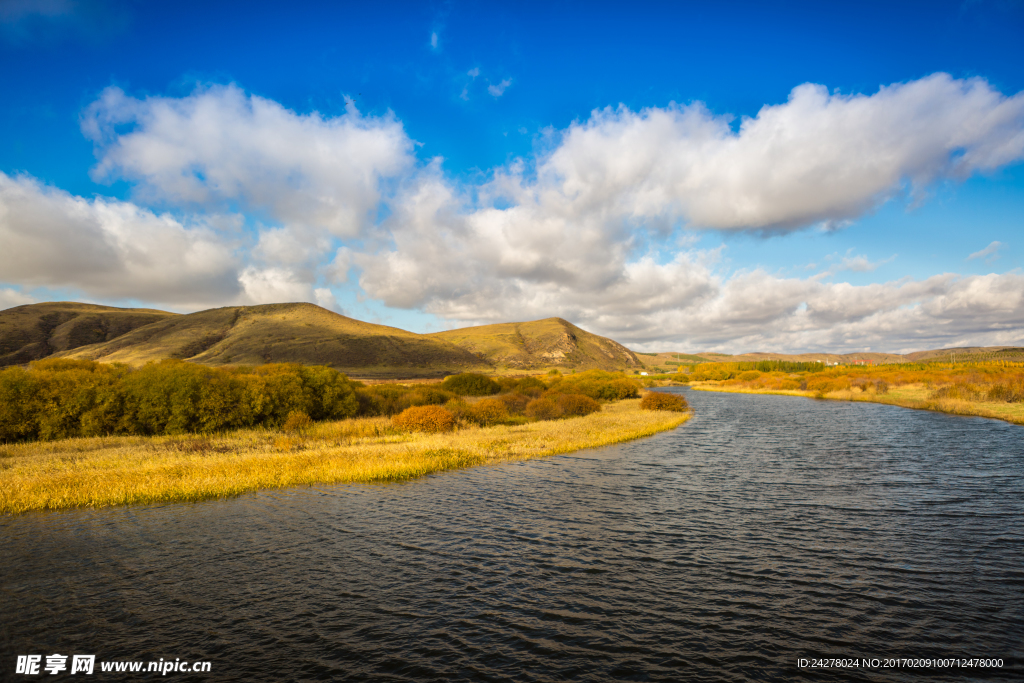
{"x": 285, "y": 333}
{"x": 36, "y": 331}
{"x": 552, "y": 342}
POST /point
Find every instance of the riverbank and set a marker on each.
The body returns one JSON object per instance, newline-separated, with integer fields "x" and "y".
{"x": 916, "y": 396}
{"x": 131, "y": 470}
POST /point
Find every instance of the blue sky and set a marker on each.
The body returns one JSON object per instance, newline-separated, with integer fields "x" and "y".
{"x": 693, "y": 176}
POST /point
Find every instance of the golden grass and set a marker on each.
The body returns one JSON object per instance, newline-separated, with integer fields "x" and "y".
{"x": 131, "y": 470}
{"x": 915, "y": 396}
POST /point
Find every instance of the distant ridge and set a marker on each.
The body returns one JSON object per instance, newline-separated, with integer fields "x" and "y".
{"x": 285, "y": 333}
{"x": 552, "y": 342}
{"x": 35, "y": 331}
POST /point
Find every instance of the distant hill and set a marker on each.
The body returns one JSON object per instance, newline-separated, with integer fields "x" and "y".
{"x": 35, "y": 331}
{"x": 285, "y": 333}
{"x": 552, "y": 342}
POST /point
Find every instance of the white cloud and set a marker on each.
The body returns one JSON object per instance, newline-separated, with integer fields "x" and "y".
{"x": 589, "y": 229}
{"x": 989, "y": 253}
{"x": 110, "y": 249}
{"x": 499, "y": 89}
{"x": 10, "y": 298}
{"x": 563, "y": 234}
{"x": 219, "y": 146}
{"x": 816, "y": 158}
{"x": 474, "y": 72}
{"x": 325, "y": 298}
{"x": 433, "y": 40}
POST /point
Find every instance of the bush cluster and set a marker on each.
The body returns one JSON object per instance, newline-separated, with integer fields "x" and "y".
{"x": 470, "y": 384}
{"x": 63, "y": 398}
{"x": 427, "y": 418}
{"x": 556, "y": 406}
{"x": 658, "y": 400}
{"x": 597, "y": 384}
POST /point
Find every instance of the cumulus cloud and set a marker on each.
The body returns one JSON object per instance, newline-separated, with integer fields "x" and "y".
{"x": 569, "y": 231}
{"x": 989, "y": 253}
{"x": 219, "y": 146}
{"x": 110, "y": 249}
{"x": 592, "y": 228}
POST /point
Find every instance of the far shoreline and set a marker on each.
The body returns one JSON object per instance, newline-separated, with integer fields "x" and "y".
{"x": 913, "y": 397}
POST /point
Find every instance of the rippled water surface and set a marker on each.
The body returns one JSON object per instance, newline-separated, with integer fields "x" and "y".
{"x": 765, "y": 530}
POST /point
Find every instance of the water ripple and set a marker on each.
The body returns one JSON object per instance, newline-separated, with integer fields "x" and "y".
{"x": 765, "y": 530}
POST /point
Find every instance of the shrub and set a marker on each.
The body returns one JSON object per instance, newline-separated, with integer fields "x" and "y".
{"x": 657, "y": 400}
{"x": 1010, "y": 392}
{"x": 544, "y": 408}
{"x": 470, "y": 384}
{"x": 749, "y": 376}
{"x": 489, "y": 411}
{"x": 383, "y": 399}
{"x": 555, "y": 371}
{"x": 598, "y": 385}
{"x": 425, "y": 419}
{"x": 960, "y": 391}
{"x": 530, "y": 386}
{"x": 297, "y": 421}
{"x": 577, "y": 404}
{"x": 515, "y": 403}
{"x": 824, "y": 385}
{"x": 429, "y": 396}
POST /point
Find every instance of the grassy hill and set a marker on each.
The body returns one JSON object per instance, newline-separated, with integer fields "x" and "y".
{"x": 552, "y": 342}
{"x": 36, "y": 331}
{"x": 285, "y": 333}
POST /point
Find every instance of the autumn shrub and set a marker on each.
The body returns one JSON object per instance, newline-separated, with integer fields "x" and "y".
{"x": 470, "y": 384}
{"x": 515, "y": 403}
{"x": 297, "y": 421}
{"x": 429, "y": 396}
{"x": 824, "y": 385}
{"x": 383, "y": 400}
{"x": 1008, "y": 392}
{"x": 961, "y": 391}
{"x": 428, "y": 418}
{"x": 64, "y": 398}
{"x": 749, "y": 376}
{"x": 530, "y": 386}
{"x": 598, "y": 385}
{"x": 573, "y": 405}
{"x": 658, "y": 400}
{"x": 489, "y": 411}
{"x": 544, "y": 408}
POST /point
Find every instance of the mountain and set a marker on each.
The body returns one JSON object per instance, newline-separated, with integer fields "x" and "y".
{"x": 552, "y": 342}
{"x": 36, "y": 331}
{"x": 285, "y": 333}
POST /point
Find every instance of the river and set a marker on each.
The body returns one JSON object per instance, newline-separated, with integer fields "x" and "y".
{"x": 766, "y": 530}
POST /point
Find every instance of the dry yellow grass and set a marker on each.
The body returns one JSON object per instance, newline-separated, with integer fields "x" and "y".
{"x": 134, "y": 470}
{"x": 915, "y": 396}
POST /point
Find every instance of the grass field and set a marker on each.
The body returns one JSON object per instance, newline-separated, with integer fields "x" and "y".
{"x": 128, "y": 470}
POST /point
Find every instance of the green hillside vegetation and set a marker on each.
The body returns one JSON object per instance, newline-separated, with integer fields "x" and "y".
{"x": 547, "y": 343}
{"x": 285, "y": 333}
{"x": 35, "y": 331}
